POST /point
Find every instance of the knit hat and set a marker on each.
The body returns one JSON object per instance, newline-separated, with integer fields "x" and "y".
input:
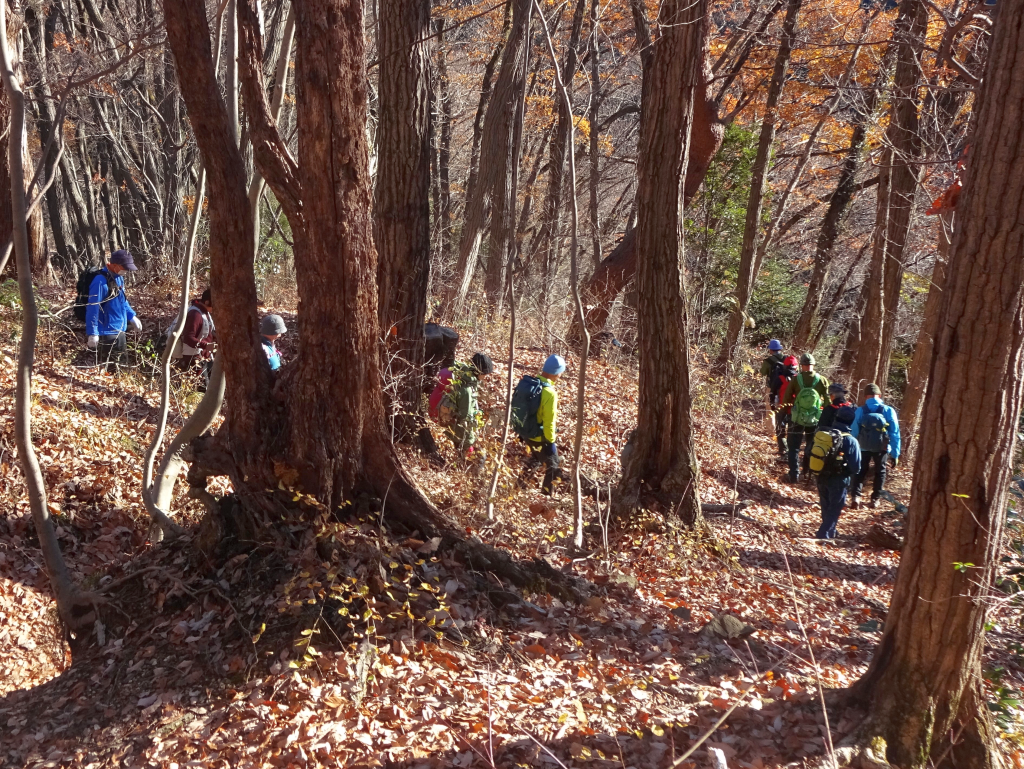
{"x": 483, "y": 364}
{"x": 873, "y": 389}
{"x": 272, "y": 324}
{"x": 807, "y": 359}
{"x": 555, "y": 364}
{"x": 845, "y": 416}
{"x": 775, "y": 345}
{"x": 123, "y": 259}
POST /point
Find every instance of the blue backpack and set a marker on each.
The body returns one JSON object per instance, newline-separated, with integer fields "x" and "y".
{"x": 874, "y": 431}
{"x": 525, "y": 405}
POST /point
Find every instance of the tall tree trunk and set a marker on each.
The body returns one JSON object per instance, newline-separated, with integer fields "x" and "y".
{"x": 477, "y": 207}
{"x": 595, "y": 134}
{"x": 501, "y": 150}
{"x": 444, "y": 151}
{"x": 401, "y": 223}
{"x": 897, "y": 188}
{"x": 923, "y": 688}
{"x": 749, "y": 264}
{"x": 14, "y": 205}
{"x": 662, "y": 455}
{"x": 548, "y": 239}
{"x": 232, "y": 282}
{"x": 619, "y": 268}
{"x": 36, "y": 237}
{"x": 920, "y": 366}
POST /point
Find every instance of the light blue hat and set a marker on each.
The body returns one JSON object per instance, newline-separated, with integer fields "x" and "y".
{"x": 555, "y": 364}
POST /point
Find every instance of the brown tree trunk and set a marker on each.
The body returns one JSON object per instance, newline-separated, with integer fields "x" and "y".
{"x": 501, "y": 150}
{"x": 920, "y": 366}
{"x": 36, "y": 236}
{"x": 749, "y": 264}
{"x": 924, "y": 684}
{"x": 593, "y": 116}
{"x": 897, "y": 188}
{"x": 839, "y": 202}
{"x": 401, "y": 223}
{"x": 661, "y": 455}
{"x": 620, "y": 266}
{"x": 444, "y": 152}
{"x": 231, "y": 246}
{"x": 548, "y": 238}
{"x": 474, "y": 217}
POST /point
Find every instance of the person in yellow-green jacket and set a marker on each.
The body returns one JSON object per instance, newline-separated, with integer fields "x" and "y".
{"x": 535, "y": 417}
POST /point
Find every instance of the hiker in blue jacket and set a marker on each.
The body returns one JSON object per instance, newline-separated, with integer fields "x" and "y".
{"x": 877, "y": 429}
{"x": 108, "y": 313}
{"x": 840, "y": 465}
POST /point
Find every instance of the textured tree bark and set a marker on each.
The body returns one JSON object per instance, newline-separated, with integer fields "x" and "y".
{"x": 36, "y": 236}
{"x": 444, "y": 152}
{"x": 401, "y": 223}
{"x": 477, "y": 207}
{"x": 594, "y": 49}
{"x": 501, "y": 149}
{"x": 548, "y": 238}
{"x": 232, "y": 283}
{"x": 661, "y": 456}
{"x": 897, "y": 187}
{"x": 620, "y": 266}
{"x": 15, "y": 206}
{"x": 920, "y": 366}
{"x": 749, "y": 264}
{"x": 923, "y": 686}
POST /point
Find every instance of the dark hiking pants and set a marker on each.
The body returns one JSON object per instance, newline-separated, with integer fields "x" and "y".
{"x": 832, "y": 495}
{"x": 881, "y": 459}
{"x": 797, "y": 435}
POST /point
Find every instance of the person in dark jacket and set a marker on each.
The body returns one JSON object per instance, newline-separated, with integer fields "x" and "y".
{"x": 108, "y": 313}
{"x": 834, "y": 479}
{"x": 839, "y": 397}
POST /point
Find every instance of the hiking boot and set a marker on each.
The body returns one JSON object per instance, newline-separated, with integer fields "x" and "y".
{"x": 875, "y": 504}
{"x": 854, "y": 503}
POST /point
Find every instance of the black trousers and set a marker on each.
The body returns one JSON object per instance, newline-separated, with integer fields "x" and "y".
{"x": 110, "y": 351}
{"x": 797, "y": 435}
{"x": 548, "y": 454}
{"x": 881, "y": 460}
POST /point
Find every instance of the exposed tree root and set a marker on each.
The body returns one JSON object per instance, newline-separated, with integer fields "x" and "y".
{"x": 388, "y": 493}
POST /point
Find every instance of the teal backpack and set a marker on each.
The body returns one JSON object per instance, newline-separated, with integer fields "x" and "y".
{"x": 808, "y": 403}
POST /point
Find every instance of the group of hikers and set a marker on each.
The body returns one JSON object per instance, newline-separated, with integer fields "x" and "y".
{"x": 103, "y": 306}
{"x": 840, "y": 440}
{"x": 534, "y": 418}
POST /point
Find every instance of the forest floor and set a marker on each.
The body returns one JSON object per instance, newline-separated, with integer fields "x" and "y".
{"x": 349, "y": 645}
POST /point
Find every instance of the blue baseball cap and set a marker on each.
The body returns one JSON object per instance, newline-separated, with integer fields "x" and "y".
{"x": 555, "y": 364}
{"x": 775, "y": 344}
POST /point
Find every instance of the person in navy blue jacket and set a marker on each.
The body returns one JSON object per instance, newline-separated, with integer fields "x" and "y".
{"x": 877, "y": 429}
{"x": 108, "y": 314}
{"x": 834, "y": 478}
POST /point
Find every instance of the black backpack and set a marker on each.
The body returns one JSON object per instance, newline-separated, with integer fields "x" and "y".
{"x": 525, "y": 405}
{"x": 85, "y": 280}
{"x": 779, "y": 374}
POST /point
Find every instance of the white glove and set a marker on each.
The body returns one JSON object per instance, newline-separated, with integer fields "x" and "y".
{"x": 137, "y": 323}
{"x": 91, "y": 342}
